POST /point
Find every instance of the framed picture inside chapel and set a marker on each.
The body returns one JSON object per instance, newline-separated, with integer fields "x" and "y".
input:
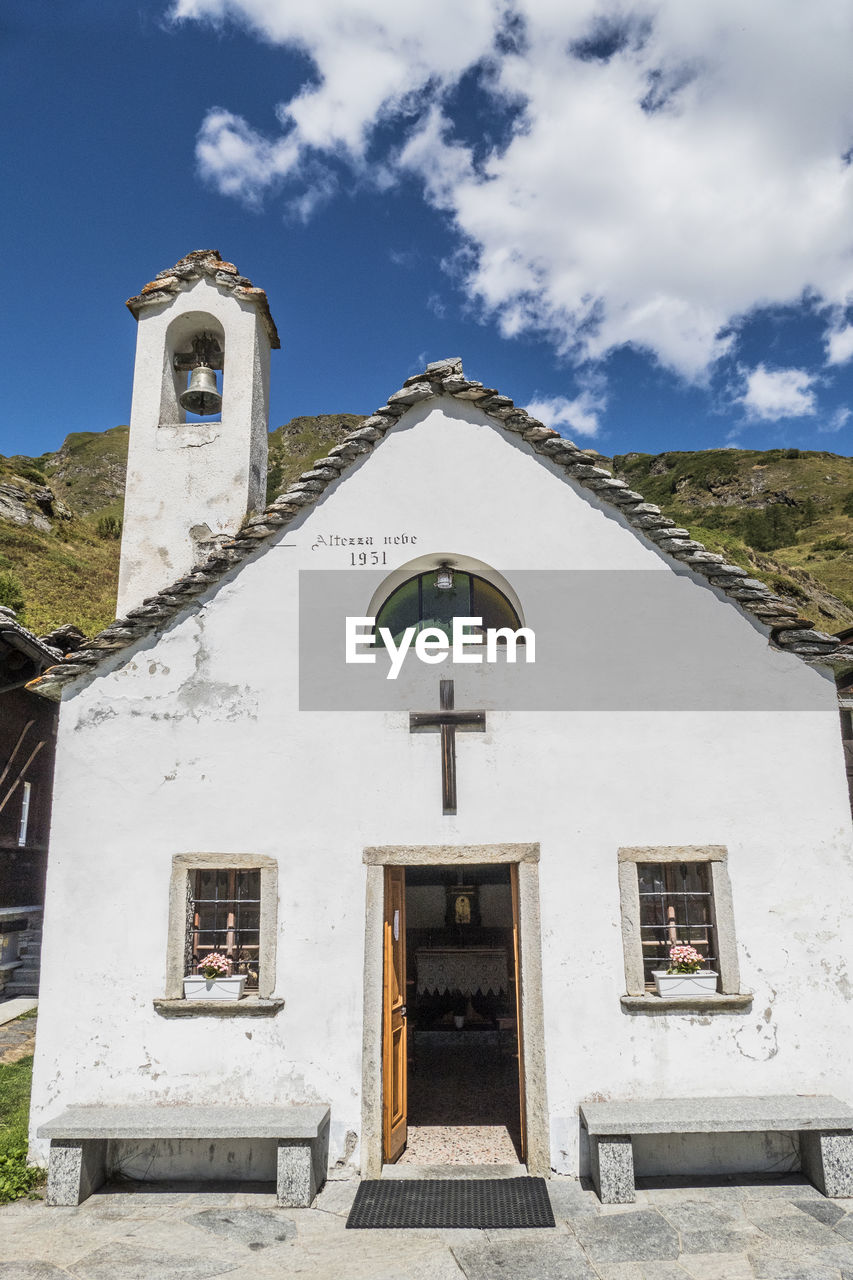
{"x": 463, "y": 906}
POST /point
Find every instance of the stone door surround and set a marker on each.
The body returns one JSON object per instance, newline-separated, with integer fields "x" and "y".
{"x": 532, "y": 1031}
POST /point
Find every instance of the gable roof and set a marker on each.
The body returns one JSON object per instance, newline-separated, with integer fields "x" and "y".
{"x": 788, "y": 631}
{"x": 204, "y": 262}
{"x": 34, "y": 652}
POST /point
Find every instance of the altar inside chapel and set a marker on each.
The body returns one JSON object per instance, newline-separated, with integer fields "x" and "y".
{"x": 470, "y": 971}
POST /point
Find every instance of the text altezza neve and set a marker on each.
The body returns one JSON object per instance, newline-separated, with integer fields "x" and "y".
{"x": 432, "y": 644}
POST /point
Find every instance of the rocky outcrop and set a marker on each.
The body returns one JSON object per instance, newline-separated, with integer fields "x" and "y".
{"x": 15, "y": 505}
{"x": 35, "y": 505}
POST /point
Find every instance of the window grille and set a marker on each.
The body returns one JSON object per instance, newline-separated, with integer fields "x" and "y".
{"x": 226, "y": 917}
{"x": 676, "y": 905}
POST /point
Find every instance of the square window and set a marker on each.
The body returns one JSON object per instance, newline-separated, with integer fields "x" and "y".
{"x": 227, "y": 903}
{"x": 676, "y": 894}
{"x": 676, "y": 906}
{"x": 225, "y": 916}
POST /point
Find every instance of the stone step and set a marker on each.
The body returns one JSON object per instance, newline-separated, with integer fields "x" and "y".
{"x": 20, "y": 989}
{"x": 24, "y": 981}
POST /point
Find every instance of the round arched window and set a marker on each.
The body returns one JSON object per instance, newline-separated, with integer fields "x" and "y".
{"x": 435, "y": 598}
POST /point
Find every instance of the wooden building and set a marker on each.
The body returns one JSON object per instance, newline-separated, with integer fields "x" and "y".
{"x": 27, "y": 750}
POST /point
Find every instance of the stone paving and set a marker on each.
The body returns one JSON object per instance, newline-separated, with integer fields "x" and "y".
{"x": 17, "y": 1039}
{"x": 745, "y": 1230}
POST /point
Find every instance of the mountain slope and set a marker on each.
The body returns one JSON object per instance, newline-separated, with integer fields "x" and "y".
{"x": 60, "y": 518}
{"x": 58, "y": 547}
{"x": 785, "y": 515}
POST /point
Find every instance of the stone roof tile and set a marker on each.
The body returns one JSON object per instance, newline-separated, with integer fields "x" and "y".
{"x": 20, "y": 638}
{"x": 204, "y": 262}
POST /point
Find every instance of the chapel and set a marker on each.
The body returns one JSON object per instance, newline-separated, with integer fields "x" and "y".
{"x": 439, "y": 754}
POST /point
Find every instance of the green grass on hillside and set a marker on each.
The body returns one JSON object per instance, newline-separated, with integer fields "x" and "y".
{"x": 88, "y": 471}
{"x": 70, "y": 574}
{"x": 17, "y": 1178}
{"x": 784, "y": 515}
{"x": 62, "y": 580}
{"x": 296, "y": 445}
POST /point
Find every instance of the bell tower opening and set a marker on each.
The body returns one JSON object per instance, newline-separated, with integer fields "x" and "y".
{"x": 193, "y": 365}
{"x": 201, "y": 396}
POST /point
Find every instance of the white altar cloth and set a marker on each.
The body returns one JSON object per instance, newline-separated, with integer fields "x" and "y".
{"x": 469, "y": 970}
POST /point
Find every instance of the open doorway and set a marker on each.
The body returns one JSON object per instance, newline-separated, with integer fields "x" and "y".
{"x": 452, "y": 1065}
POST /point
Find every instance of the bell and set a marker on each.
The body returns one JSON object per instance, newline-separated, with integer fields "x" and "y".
{"x": 201, "y": 396}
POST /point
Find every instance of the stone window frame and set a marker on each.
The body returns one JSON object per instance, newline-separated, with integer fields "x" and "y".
{"x": 729, "y": 996}
{"x": 264, "y": 1003}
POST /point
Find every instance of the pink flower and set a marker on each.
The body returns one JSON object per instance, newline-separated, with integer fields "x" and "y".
{"x": 215, "y": 965}
{"x": 685, "y": 959}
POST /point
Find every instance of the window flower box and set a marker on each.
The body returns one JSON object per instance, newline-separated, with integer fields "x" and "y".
{"x": 198, "y": 987}
{"x": 214, "y": 980}
{"x": 670, "y": 985}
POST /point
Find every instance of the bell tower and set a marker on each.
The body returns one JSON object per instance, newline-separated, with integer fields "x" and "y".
{"x": 197, "y": 463}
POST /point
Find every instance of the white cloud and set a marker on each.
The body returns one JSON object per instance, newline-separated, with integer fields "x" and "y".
{"x": 839, "y": 345}
{"x": 239, "y": 161}
{"x": 672, "y": 167}
{"x": 405, "y": 258}
{"x": 778, "y": 393}
{"x": 317, "y": 192}
{"x": 836, "y": 421}
{"x": 580, "y": 415}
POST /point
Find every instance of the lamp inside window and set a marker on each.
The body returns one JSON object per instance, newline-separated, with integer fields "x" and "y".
{"x": 435, "y": 598}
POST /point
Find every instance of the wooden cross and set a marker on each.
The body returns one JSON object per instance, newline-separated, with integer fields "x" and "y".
{"x": 448, "y": 721}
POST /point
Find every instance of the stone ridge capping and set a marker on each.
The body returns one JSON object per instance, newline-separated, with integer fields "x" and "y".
{"x": 204, "y": 262}
{"x": 789, "y": 631}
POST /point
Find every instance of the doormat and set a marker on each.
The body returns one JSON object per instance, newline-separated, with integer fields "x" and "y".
{"x": 452, "y": 1202}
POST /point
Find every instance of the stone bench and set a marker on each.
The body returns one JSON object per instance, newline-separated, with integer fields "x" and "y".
{"x": 79, "y": 1137}
{"x": 824, "y": 1125}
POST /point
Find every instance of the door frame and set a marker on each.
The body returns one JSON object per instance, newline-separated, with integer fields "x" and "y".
{"x": 532, "y": 1030}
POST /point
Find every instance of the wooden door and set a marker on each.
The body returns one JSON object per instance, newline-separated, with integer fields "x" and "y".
{"x": 516, "y": 951}
{"x": 394, "y": 1083}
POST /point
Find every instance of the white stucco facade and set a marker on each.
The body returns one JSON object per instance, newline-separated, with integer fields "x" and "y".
{"x": 193, "y": 741}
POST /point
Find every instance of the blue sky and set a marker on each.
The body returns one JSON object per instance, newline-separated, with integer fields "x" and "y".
{"x": 635, "y": 217}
